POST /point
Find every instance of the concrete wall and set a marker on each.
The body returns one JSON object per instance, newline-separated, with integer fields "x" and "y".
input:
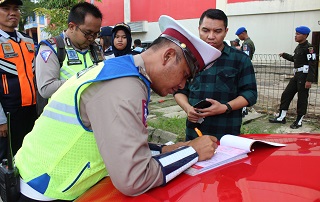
{"x": 270, "y": 23}
{"x": 274, "y": 32}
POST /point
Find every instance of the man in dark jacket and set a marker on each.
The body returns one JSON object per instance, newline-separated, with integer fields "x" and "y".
{"x": 304, "y": 60}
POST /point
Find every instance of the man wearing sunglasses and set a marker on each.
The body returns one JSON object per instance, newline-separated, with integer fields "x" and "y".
{"x": 229, "y": 84}
{"x": 55, "y": 63}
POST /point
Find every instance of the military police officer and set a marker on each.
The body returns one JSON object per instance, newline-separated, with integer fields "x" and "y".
{"x": 304, "y": 60}
{"x": 247, "y": 45}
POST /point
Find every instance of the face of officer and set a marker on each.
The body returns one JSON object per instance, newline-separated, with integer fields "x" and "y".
{"x": 213, "y": 32}
{"x": 120, "y": 40}
{"x": 173, "y": 73}
{"x": 9, "y": 17}
{"x": 300, "y": 38}
{"x": 83, "y": 35}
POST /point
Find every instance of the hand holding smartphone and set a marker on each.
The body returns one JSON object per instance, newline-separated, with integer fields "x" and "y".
{"x": 202, "y": 104}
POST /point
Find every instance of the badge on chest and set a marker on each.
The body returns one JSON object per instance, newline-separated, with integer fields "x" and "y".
{"x": 73, "y": 58}
{"x": 8, "y": 51}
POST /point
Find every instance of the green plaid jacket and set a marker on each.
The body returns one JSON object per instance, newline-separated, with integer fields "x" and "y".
{"x": 232, "y": 75}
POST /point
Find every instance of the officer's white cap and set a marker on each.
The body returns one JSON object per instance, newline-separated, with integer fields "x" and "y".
{"x": 203, "y": 52}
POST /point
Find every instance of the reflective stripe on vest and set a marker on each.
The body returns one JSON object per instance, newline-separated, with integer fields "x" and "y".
{"x": 67, "y": 118}
{"x": 16, "y": 58}
{"x": 59, "y": 157}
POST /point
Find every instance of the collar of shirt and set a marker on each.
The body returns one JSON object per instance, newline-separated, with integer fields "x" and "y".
{"x": 7, "y": 35}
{"x": 138, "y": 62}
{"x": 225, "y": 50}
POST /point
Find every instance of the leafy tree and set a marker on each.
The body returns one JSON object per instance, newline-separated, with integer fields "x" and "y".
{"x": 57, "y": 12}
{"x": 27, "y": 9}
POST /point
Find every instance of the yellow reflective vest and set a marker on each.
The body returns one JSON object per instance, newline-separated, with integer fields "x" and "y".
{"x": 59, "y": 157}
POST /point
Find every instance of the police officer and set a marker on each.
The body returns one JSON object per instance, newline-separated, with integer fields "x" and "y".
{"x": 105, "y": 39}
{"x": 304, "y": 60}
{"x": 248, "y": 48}
{"x": 247, "y": 45}
{"x": 95, "y": 124}
{"x": 80, "y": 48}
{"x": 17, "y": 91}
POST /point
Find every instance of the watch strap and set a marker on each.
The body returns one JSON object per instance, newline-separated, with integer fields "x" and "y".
{"x": 229, "y": 108}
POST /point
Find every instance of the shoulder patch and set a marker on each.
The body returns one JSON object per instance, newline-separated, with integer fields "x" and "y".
{"x": 45, "y": 55}
{"x": 52, "y": 41}
{"x": 310, "y": 50}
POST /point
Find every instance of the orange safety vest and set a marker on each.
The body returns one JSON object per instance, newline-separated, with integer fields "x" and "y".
{"x": 17, "y": 71}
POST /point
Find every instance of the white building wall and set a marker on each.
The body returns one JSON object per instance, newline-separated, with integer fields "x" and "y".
{"x": 274, "y": 33}
{"x": 271, "y": 23}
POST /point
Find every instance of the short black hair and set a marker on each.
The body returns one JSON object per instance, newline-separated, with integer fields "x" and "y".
{"x": 79, "y": 11}
{"x": 215, "y": 14}
{"x": 137, "y": 42}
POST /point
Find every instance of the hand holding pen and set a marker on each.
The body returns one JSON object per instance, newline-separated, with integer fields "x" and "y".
{"x": 204, "y": 146}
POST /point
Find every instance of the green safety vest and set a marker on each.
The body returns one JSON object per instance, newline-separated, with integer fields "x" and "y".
{"x": 59, "y": 157}
{"x": 83, "y": 61}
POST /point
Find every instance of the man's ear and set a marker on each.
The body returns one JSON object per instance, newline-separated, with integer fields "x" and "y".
{"x": 168, "y": 55}
{"x": 72, "y": 26}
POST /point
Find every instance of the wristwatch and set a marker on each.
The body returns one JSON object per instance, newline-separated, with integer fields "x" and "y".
{"x": 229, "y": 108}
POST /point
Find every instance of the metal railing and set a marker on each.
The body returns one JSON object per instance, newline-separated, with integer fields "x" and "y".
{"x": 273, "y": 74}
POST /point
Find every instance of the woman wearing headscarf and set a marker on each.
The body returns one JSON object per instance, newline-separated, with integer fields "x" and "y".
{"x": 121, "y": 41}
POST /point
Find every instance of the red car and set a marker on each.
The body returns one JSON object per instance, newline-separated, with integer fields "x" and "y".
{"x": 289, "y": 173}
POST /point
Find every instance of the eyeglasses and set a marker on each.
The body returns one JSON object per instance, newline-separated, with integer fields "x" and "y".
{"x": 191, "y": 60}
{"x": 89, "y": 36}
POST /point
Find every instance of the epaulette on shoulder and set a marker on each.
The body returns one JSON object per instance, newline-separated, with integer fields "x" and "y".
{"x": 51, "y": 40}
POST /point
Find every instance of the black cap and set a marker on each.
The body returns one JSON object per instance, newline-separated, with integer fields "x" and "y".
{"x": 16, "y": 2}
{"x": 106, "y": 31}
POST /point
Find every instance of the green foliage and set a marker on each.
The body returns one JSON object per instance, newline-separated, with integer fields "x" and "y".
{"x": 56, "y": 4}
{"x": 56, "y": 11}
{"x": 58, "y": 19}
{"x": 27, "y": 9}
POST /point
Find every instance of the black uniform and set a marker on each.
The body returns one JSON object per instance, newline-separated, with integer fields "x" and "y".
{"x": 303, "y": 55}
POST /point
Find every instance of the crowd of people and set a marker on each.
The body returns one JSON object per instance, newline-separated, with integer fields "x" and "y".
{"x": 94, "y": 120}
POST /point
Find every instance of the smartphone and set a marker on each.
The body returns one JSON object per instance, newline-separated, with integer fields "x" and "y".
{"x": 202, "y": 104}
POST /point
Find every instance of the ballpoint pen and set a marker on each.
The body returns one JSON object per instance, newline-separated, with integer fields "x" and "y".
{"x": 198, "y": 132}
